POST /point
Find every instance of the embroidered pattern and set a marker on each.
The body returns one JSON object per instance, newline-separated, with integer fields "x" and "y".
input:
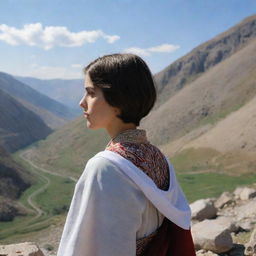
{"x": 134, "y": 146}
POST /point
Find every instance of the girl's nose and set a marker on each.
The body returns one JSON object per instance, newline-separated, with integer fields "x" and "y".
{"x": 82, "y": 103}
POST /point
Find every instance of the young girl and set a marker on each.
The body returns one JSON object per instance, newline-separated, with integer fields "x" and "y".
{"x": 127, "y": 201}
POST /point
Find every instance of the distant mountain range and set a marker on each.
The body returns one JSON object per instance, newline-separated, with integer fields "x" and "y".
{"x": 198, "y": 92}
{"x": 52, "y": 112}
{"x": 27, "y": 115}
{"x": 68, "y": 92}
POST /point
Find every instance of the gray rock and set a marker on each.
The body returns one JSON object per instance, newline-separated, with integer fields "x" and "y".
{"x": 246, "y": 211}
{"x": 210, "y": 235}
{"x": 237, "y": 192}
{"x": 24, "y": 249}
{"x": 250, "y": 247}
{"x": 225, "y": 199}
{"x": 203, "y": 209}
{"x": 227, "y": 223}
{"x": 237, "y": 250}
{"x": 246, "y": 225}
{"x": 247, "y": 193}
{"x": 205, "y": 253}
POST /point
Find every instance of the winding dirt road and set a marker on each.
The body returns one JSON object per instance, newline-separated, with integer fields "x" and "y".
{"x": 43, "y": 188}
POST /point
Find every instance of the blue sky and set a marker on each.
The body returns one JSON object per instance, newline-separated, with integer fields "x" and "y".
{"x": 56, "y": 38}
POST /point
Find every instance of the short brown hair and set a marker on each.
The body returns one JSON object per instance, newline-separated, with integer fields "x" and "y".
{"x": 126, "y": 83}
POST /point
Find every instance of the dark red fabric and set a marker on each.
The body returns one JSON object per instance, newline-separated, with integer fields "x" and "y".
{"x": 171, "y": 240}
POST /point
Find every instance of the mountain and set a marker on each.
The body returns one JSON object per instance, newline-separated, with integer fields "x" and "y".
{"x": 52, "y": 112}
{"x": 221, "y": 88}
{"x": 19, "y": 126}
{"x": 68, "y": 92}
{"x": 216, "y": 93}
{"x": 189, "y": 67}
{"x": 206, "y": 126}
{"x": 13, "y": 181}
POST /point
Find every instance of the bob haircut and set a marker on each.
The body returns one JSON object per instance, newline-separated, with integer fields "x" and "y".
{"x": 126, "y": 83}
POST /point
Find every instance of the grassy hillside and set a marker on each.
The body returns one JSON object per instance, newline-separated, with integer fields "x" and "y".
{"x": 51, "y": 194}
{"x": 67, "y": 150}
{"x": 228, "y": 147}
{"x": 13, "y": 181}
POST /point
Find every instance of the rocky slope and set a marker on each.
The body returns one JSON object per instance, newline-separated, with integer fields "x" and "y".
{"x": 186, "y": 69}
{"x": 223, "y": 226}
{"x": 215, "y": 94}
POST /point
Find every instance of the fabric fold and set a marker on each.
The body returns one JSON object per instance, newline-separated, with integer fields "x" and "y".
{"x": 171, "y": 203}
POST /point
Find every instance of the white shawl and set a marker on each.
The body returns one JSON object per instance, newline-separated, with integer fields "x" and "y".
{"x": 108, "y": 202}
{"x": 171, "y": 203}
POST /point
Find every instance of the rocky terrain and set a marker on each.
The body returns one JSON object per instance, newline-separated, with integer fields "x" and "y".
{"x": 189, "y": 67}
{"x": 224, "y": 226}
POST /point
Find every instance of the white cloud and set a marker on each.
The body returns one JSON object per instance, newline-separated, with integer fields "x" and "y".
{"x": 49, "y": 37}
{"x": 163, "y": 48}
{"x": 138, "y": 51}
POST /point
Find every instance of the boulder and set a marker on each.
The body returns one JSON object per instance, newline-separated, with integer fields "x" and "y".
{"x": 210, "y": 235}
{"x": 227, "y": 223}
{"x": 237, "y": 192}
{"x": 247, "y": 193}
{"x": 226, "y": 198}
{"x": 205, "y": 253}
{"x": 245, "y": 225}
{"x": 246, "y": 211}
{"x": 24, "y": 249}
{"x": 250, "y": 247}
{"x": 203, "y": 209}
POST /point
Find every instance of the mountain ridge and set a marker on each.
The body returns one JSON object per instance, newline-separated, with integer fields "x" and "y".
{"x": 52, "y": 112}
{"x": 17, "y": 132}
{"x": 187, "y": 68}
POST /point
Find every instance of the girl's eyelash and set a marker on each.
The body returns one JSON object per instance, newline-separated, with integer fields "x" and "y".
{"x": 91, "y": 93}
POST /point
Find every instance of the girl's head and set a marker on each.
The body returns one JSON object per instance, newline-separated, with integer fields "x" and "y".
{"x": 126, "y": 84}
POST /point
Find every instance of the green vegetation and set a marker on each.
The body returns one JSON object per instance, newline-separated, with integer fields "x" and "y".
{"x": 217, "y": 116}
{"x": 57, "y": 197}
{"x": 67, "y": 150}
{"x": 195, "y": 159}
{"x": 205, "y": 172}
{"x": 205, "y": 185}
{"x": 53, "y": 201}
